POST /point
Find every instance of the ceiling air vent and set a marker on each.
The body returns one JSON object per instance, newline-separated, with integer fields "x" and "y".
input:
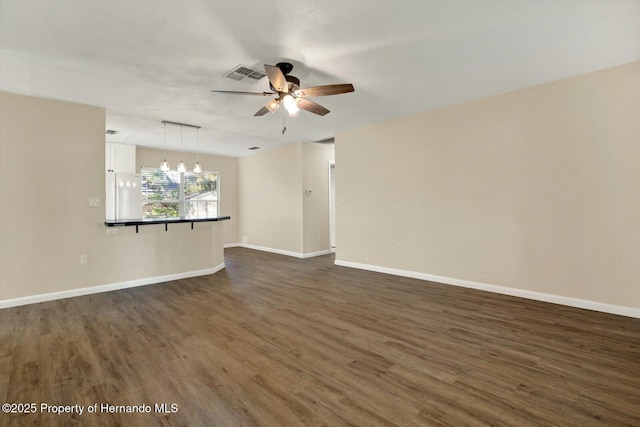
{"x": 245, "y": 73}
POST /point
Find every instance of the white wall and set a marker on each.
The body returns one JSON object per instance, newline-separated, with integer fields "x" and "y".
{"x": 536, "y": 190}
{"x": 51, "y": 162}
{"x": 228, "y": 168}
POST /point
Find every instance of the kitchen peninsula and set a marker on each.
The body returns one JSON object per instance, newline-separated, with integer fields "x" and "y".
{"x": 165, "y": 221}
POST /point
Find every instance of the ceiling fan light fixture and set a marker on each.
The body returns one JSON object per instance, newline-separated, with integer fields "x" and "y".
{"x": 197, "y": 168}
{"x": 273, "y": 106}
{"x": 164, "y": 166}
{"x": 295, "y": 113}
{"x": 291, "y": 105}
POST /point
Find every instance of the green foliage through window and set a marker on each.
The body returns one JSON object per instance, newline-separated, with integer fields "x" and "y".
{"x": 174, "y": 194}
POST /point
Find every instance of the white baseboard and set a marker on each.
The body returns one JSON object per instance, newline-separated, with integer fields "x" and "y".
{"x": 522, "y": 293}
{"x": 318, "y": 253}
{"x": 283, "y": 252}
{"x": 232, "y": 245}
{"x": 106, "y": 288}
{"x": 272, "y": 250}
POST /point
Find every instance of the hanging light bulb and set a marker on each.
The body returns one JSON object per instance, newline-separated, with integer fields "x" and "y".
{"x": 164, "y": 166}
{"x": 197, "y": 168}
{"x": 291, "y": 105}
{"x": 181, "y": 166}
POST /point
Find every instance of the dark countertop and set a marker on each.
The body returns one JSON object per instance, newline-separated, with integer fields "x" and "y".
{"x": 151, "y": 221}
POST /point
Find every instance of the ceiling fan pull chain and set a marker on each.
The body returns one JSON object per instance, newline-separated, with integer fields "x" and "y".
{"x": 284, "y": 125}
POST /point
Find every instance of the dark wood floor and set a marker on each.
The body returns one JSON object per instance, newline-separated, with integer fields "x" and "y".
{"x": 278, "y": 341}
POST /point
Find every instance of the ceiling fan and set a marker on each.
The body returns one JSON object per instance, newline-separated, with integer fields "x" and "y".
{"x": 287, "y": 87}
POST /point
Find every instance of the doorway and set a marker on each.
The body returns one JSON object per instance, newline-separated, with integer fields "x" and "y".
{"x": 332, "y": 205}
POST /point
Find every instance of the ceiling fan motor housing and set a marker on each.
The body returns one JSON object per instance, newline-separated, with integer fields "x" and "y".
{"x": 285, "y": 67}
{"x": 293, "y": 81}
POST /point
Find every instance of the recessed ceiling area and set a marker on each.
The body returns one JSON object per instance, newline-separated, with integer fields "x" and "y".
{"x": 145, "y": 62}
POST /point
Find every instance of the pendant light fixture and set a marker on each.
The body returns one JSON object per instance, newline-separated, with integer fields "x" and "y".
{"x": 197, "y": 168}
{"x": 181, "y": 165}
{"x": 164, "y": 166}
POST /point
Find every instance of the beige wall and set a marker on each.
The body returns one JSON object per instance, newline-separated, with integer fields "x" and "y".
{"x": 51, "y": 162}
{"x": 315, "y": 178}
{"x": 228, "y": 168}
{"x": 536, "y": 189}
{"x": 275, "y": 211}
{"x": 271, "y": 198}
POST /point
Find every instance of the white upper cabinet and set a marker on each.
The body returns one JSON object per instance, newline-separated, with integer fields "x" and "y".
{"x": 120, "y": 157}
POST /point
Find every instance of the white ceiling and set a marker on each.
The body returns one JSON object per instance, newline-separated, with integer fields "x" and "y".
{"x": 148, "y": 61}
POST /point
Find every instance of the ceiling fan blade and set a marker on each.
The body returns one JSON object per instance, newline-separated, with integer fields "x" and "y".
{"x": 232, "y": 92}
{"x": 311, "y": 106}
{"x": 325, "y": 90}
{"x": 276, "y": 78}
{"x": 261, "y": 112}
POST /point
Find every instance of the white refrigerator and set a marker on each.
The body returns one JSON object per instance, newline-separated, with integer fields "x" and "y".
{"x": 123, "y": 196}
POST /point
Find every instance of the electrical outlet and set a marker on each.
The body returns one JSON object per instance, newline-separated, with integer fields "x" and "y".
{"x": 84, "y": 259}
{"x": 95, "y": 202}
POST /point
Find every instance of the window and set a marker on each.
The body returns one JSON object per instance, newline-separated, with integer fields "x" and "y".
{"x": 174, "y": 194}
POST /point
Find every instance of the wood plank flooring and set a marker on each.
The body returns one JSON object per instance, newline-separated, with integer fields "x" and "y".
{"x": 279, "y": 341}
